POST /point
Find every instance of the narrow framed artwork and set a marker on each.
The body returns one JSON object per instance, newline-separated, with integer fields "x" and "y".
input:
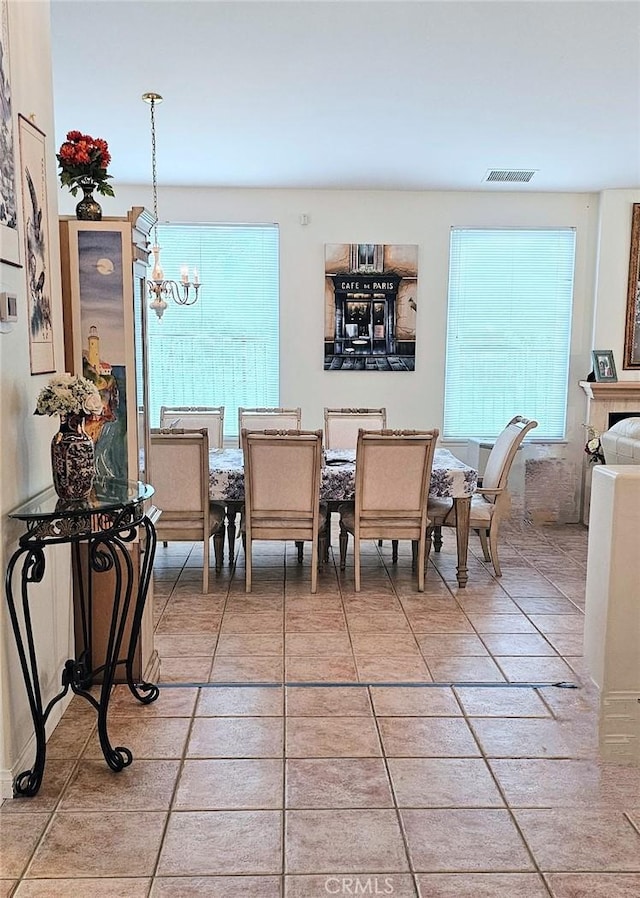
{"x": 632, "y": 330}
{"x": 604, "y": 366}
{"x": 9, "y": 240}
{"x": 370, "y": 307}
{"x": 36, "y": 242}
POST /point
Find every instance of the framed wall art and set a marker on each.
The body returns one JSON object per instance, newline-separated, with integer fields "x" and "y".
{"x": 632, "y": 329}
{"x": 9, "y": 241}
{"x": 370, "y": 307}
{"x": 33, "y": 176}
{"x": 97, "y": 289}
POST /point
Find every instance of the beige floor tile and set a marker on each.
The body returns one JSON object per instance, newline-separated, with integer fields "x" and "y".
{"x": 237, "y": 784}
{"x": 438, "y": 645}
{"x": 320, "y": 669}
{"x": 535, "y": 670}
{"x": 19, "y": 835}
{"x": 398, "y": 885}
{"x": 325, "y": 701}
{"x": 143, "y": 786}
{"x": 567, "y": 644}
{"x": 382, "y": 622}
{"x": 250, "y": 644}
{"x": 414, "y": 701}
{"x": 522, "y": 738}
{"x": 460, "y": 840}
{"x": 443, "y": 783}
{"x": 464, "y": 670}
{"x": 216, "y": 887}
{"x": 426, "y": 737}
{"x": 172, "y": 702}
{"x": 332, "y": 643}
{"x": 56, "y": 775}
{"x": 368, "y": 603}
{"x": 187, "y": 646}
{"x": 337, "y": 783}
{"x": 510, "y": 701}
{"x": 558, "y": 623}
{"x": 184, "y": 670}
{"x": 236, "y": 737}
{"x": 7, "y": 886}
{"x": 177, "y": 623}
{"x": 594, "y": 885}
{"x": 110, "y": 845}
{"x": 81, "y": 888}
{"x": 540, "y": 783}
{"x": 482, "y": 885}
{"x": 222, "y": 842}
{"x": 241, "y": 701}
{"x": 332, "y": 737}
{"x": 248, "y": 603}
{"x": 430, "y": 622}
{"x": 557, "y": 605}
{"x": 316, "y": 622}
{"x": 247, "y": 669}
{"x": 500, "y": 623}
{"x": 259, "y": 622}
{"x": 517, "y": 644}
{"x": 389, "y": 669}
{"x": 385, "y": 644}
{"x": 149, "y": 738}
{"x": 343, "y": 841}
{"x": 70, "y": 737}
{"x": 583, "y": 840}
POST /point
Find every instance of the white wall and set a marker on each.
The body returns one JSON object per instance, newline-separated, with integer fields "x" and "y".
{"x": 25, "y": 467}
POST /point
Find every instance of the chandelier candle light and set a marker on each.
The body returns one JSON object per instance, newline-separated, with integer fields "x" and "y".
{"x": 184, "y": 293}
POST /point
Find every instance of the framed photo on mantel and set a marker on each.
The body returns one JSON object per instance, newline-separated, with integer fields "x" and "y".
{"x": 604, "y": 367}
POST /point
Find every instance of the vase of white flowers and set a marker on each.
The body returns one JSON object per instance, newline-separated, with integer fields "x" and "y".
{"x": 72, "y": 456}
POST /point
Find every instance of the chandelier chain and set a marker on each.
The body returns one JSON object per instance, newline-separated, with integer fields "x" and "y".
{"x": 154, "y": 178}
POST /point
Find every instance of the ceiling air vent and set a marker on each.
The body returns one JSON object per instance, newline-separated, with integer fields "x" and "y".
{"x": 510, "y": 175}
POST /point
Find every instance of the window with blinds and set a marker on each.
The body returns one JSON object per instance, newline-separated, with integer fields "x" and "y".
{"x": 224, "y": 349}
{"x": 508, "y": 330}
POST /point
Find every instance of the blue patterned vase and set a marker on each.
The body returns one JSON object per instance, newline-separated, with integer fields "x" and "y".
{"x": 72, "y": 459}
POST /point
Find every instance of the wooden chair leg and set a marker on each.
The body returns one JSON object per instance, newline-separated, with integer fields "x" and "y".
{"x": 394, "y": 551}
{"x": 356, "y": 560}
{"x": 343, "y": 539}
{"x": 314, "y": 565}
{"x": 437, "y": 538}
{"x": 205, "y": 566}
{"x": 247, "y": 562}
{"x": 300, "y": 548}
{"x": 165, "y": 543}
{"x": 485, "y": 545}
{"x": 414, "y": 554}
{"x": 420, "y": 562}
{"x": 218, "y": 548}
{"x": 493, "y": 549}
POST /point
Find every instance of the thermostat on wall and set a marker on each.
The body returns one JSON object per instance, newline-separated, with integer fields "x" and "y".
{"x": 8, "y": 307}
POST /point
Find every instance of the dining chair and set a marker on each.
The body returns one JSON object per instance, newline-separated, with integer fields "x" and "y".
{"x": 179, "y": 474}
{"x": 393, "y": 471}
{"x": 268, "y": 419}
{"x": 341, "y": 425}
{"x": 282, "y": 491}
{"x": 491, "y": 500}
{"x": 194, "y": 417}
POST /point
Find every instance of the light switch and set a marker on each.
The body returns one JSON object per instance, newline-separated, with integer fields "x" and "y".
{"x": 8, "y": 307}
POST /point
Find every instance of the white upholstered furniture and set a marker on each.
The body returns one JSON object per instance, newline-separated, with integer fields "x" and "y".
{"x": 393, "y": 471}
{"x": 621, "y": 443}
{"x": 491, "y": 499}
{"x": 341, "y": 425}
{"x": 282, "y": 490}
{"x": 268, "y": 419}
{"x": 179, "y": 473}
{"x": 194, "y": 417}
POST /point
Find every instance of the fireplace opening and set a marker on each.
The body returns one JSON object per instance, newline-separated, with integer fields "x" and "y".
{"x": 614, "y": 417}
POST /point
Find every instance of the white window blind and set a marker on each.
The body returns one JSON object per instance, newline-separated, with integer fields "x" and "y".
{"x": 224, "y": 349}
{"x": 508, "y": 330}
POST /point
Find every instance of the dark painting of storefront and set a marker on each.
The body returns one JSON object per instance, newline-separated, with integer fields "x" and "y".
{"x": 370, "y": 307}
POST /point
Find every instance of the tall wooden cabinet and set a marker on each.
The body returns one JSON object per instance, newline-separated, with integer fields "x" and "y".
{"x": 104, "y": 267}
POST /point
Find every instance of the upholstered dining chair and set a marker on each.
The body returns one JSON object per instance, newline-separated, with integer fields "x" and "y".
{"x": 341, "y": 425}
{"x": 179, "y": 474}
{"x": 491, "y": 500}
{"x": 282, "y": 491}
{"x": 194, "y": 417}
{"x": 268, "y": 419}
{"x": 393, "y": 472}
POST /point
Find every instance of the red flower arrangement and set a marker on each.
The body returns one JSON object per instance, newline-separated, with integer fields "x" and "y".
{"x": 82, "y": 159}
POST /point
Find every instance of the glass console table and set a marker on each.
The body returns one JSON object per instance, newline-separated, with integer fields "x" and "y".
{"x": 99, "y": 527}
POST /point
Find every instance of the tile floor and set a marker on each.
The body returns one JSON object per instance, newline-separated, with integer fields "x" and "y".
{"x": 386, "y": 743}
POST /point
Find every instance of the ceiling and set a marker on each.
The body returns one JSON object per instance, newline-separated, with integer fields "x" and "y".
{"x": 397, "y": 95}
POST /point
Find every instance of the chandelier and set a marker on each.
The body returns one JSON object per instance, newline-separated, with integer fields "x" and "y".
{"x": 159, "y": 288}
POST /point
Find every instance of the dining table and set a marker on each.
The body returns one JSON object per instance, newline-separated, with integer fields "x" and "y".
{"x": 450, "y": 478}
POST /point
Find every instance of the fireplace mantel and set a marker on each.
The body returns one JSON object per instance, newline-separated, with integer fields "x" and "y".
{"x": 612, "y": 392}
